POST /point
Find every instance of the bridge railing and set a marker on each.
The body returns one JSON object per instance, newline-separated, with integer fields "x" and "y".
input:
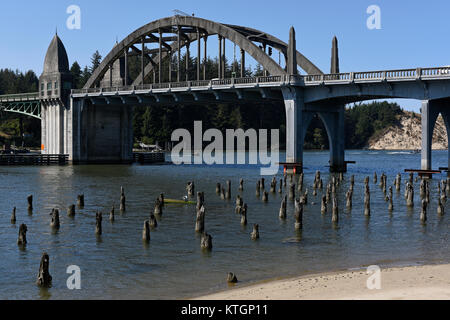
{"x": 380, "y": 75}
{"x": 443, "y": 71}
{"x": 19, "y": 97}
{"x": 221, "y": 82}
{"x": 401, "y": 74}
{"x": 247, "y": 80}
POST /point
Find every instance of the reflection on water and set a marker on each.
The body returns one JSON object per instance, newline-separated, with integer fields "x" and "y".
{"x": 118, "y": 264}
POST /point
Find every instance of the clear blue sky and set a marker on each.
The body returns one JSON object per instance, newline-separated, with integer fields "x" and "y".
{"x": 413, "y": 34}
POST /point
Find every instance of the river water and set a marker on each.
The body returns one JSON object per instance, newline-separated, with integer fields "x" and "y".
{"x": 118, "y": 265}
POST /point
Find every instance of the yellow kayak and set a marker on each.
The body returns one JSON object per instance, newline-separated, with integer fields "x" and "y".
{"x": 179, "y": 201}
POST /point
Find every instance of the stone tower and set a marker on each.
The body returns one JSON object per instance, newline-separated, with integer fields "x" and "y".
{"x": 55, "y": 84}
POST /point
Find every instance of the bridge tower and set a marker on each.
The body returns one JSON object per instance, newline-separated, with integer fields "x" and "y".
{"x": 55, "y": 84}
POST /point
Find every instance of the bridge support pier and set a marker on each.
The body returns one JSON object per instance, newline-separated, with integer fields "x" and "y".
{"x": 53, "y": 132}
{"x": 296, "y": 122}
{"x": 430, "y": 111}
{"x": 100, "y": 133}
{"x": 334, "y": 124}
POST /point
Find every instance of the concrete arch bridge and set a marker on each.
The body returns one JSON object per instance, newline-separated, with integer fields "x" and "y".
{"x": 93, "y": 124}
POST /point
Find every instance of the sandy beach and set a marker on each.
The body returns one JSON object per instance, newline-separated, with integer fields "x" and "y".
{"x": 417, "y": 282}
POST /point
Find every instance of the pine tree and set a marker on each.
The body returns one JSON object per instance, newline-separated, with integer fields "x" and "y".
{"x": 75, "y": 70}
{"x": 95, "y": 61}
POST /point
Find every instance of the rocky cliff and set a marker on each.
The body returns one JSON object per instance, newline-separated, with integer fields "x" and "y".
{"x": 408, "y": 135}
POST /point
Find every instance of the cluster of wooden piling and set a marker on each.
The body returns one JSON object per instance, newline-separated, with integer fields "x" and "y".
{"x": 297, "y": 193}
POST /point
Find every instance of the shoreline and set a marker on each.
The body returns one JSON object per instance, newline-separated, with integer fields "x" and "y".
{"x": 430, "y": 281}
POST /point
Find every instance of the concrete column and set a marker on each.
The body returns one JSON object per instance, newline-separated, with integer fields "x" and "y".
{"x": 53, "y": 128}
{"x": 205, "y": 55}
{"x": 292, "y": 53}
{"x": 110, "y": 75}
{"x": 264, "y": 69}
{"x": 446, "y": 116}
{"x": 142, "y": 60}
{"x": 296, "y": 122}
{"x": 125, "y": 53}
{"x": 50, "y": 129}
{"x": 43, "y": 128}
{"x": 223, "y": 59}
{"x": 160, "y": 58}
{"x": 219, "y": 75}
{"x": 429, "y": 112}
{"x": 334, "y": 124}
{"x": 179, "y": 53}
{"x": 334, "y": 56}
{"x": 242, "y": 63}
{"x": 62, "y": 128}
{"x": 198, "y": 54}
{"x": 187, "y": 61}
{"x": 170, "y": 66}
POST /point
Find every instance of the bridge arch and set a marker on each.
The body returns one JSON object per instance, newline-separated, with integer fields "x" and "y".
{"x": 241, "y": 36}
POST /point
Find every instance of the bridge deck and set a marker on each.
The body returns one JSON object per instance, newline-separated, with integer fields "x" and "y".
{"x": 438, "y": 73}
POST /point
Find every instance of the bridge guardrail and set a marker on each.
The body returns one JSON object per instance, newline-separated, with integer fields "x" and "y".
{"x": 400, "y": 74}
{"x": 19, "y": 97}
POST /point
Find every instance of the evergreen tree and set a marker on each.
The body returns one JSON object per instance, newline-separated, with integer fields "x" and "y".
{"x": 85, "y": 75}
{"x": 96, "y": 59}
{"x": 75, "y": 70}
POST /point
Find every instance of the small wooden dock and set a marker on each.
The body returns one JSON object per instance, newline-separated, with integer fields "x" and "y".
{"x": 33, "y": 159}
{"x": 149, "y": 157}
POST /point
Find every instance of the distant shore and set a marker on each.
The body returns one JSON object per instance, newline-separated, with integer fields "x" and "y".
{"x": 416, "y": 282}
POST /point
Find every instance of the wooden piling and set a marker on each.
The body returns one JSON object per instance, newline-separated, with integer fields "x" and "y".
{"x": 30, "y": 203}
{"x": 282, "y": 213}
{"x": 206, "y": 242}
{"x": 231, "y": 278}
{"x": 423, "y": 212}
{"x": 55, "y": 219}
{"x": 44, "y": 279}
{"x": 71, "y": 211}
{"x": 244, "y": 215}
{"x": 323, "y": 206}
{"x": 255, "y": 233}
{"x": 80, "y": 200}
{"x": 292, "y": 191}
{"x": 335, "y": 211}
{"x": 98, "y": 223}
{"x": 200, "y": 220}
{"x": 146, "y": 231}
{"x": 13, "y": 216}
{"x": 153, "y": 222}
{"x": 22, "y": 238}
{"x": 111, "y": 215}
{"x": 241, "y": 184}
{"x": 298, "y": 215}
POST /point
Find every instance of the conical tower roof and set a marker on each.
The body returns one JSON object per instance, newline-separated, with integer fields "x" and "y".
{"x": 56, "y": 58}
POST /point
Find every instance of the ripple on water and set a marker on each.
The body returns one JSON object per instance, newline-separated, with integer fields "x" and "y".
{"x": 119, "y": 265}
